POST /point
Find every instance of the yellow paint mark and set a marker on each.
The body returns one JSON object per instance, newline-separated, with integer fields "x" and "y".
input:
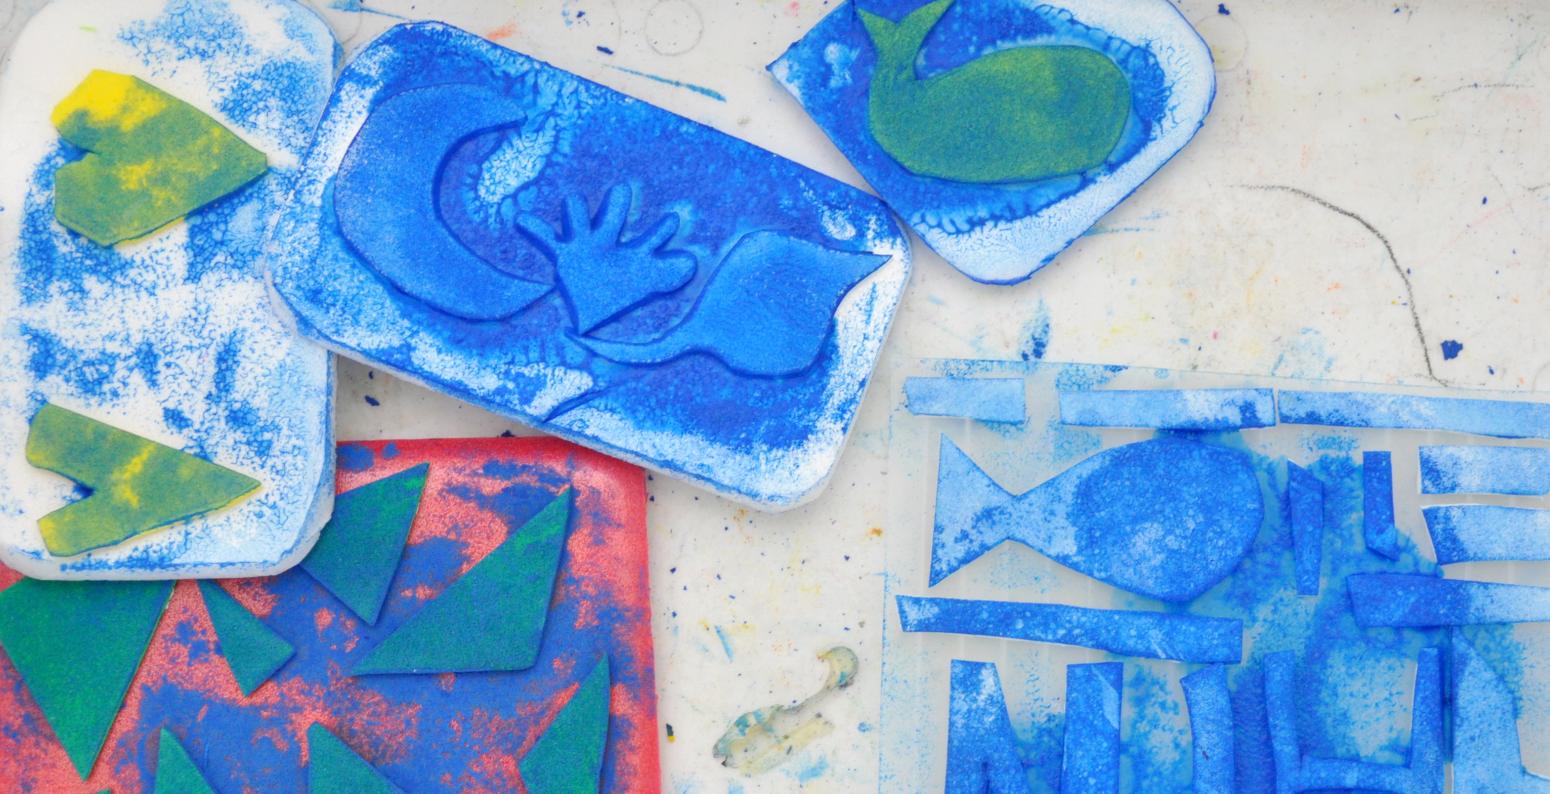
{"x": 110, "y": 98}
{"x": 875, "y": 532}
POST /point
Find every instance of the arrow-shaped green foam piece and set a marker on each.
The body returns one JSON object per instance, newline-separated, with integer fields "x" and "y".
{"x": 175, "y": 771}
{"x": 568, "y": 758}
{"x": 137, "y": 484}
{"x": 252, "y": 650}
{"x": 358, "y": 551}
{"x": 493, "y": 617}
{"x": 153, "y": 158}
{"x": 333, "y": 768}
{"x": 77, "y": 646}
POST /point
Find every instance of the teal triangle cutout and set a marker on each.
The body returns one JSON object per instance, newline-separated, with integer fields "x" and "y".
{"x": 77, "y": 646}
{"x": 493, "y": 617}
{"x": 252, "y": 650}
{"x": 333, "y": 768}
{"x": 568, "y": 758}
{"x": 358, "y": 551}
{"x": 175, "y": 771}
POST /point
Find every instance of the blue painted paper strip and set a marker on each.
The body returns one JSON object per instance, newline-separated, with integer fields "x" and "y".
{"x": 981, "y": 747}
{"x": 1514, "y": 471}
{"x": 985, "y": 399}
{"x": 1091, "y": 761}
{"x": 1211, "y": 729}
{"x": 1487, "y": 752}
{"x": 1420, "y": 601}
{"x": 1151, "y": 635}
{"x": 1499, "y": 418}
{"x": 1471, "y": 533}
{"x": 1378, "y": 528}
{"x": 1168, "y": 409}
{"x": 1305, "y": 508}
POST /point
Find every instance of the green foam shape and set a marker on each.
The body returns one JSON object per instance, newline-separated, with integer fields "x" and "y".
{"x": 252, "y": 650}
{"x": 1019, "y": 115}
{"x": 568, "y": 758}
{"x": 137, "y": 484}
{"x": 334, "y": 768}
{"x": 358, "y": 551}
{"x": 175, "y": 771}
{"x": 77, "y": 646}
{"x": 493, "y": 617}
{"x": 152, "y": 158}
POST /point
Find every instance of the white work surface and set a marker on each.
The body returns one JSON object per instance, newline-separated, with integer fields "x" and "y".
{"x": 1373, "y": 181}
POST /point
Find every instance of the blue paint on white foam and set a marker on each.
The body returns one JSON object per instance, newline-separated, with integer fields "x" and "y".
{"x": 1169, "y": 409}
{"x": 1487, "y": 751}
{"x": 726, "y": 644}
{"x": 1305, "y": 515}
{"x": 1499, "y": 418}
{"x": 1211, "y": 729}
{"x": 1514, "y": 471}
{"x": 1378, "y": 529}
{"x": 1471, "y": 533}
{"x": 981, "y": 747}
{"x": 985, "y": 399}
{"x": 1418, "y": 601}
{"x": 1091, "y": 758}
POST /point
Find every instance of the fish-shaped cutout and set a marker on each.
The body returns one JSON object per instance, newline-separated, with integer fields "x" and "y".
{"x": 1017, "y": 115}
{"x": 1165, "y": 518}
{"x": 767, "y": 310}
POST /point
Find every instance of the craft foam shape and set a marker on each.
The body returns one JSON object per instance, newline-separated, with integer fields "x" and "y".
{"x": 1305, "y": 514}
{"x": 175, "y": 771}
{"x": 745, "y": 378}
{"x": 985, "y": 399}
{"x": 1039, "y": 144}
{"x": 252, "y": 649}
{"x": 135, "y": 484}
{"x": 981, "y": 747}
{"x": 1091, "y": 759}
{"x": 1165, "y": 518}
{"x": 333, "y": 768}
{"x": 1419, "y": 601}
{"x": 1168, "y": 409}
{"x": 1211, "y": 729}
{"x": 1378, "y": 529}
{"x": 416, "y": 729}
{"x": 1487, "y": 751}
{"x": 1498, "y": 418}
{"x": 493, "y": 617}
{"x": 358, "y": 551}
{"x": 167, "y": 336}
{"x": 1149, "y": 635}
{"x": 1472, "y": 533}
{"x": 151, "y": 159}
{"x": 1297, "y": 772}
{"x": 1514, "y": 471}
{"x": 568, "y": 758}
{"x": 77, "y": 646}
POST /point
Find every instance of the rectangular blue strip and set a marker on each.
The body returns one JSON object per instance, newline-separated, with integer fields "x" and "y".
{"x": 1169, "y": 409}
{"x": 1499, "y": 418}
{"x": 1473, "y": 533}
{"x": 1091, "y": 760}
{"x": 1514, "y": 471}
{"x": 1305, "y": 508}
{"x": 985, "y": 399}
{"x": 1400, "y": 600}
{"x": 1211, "y": 729}
{"x": 1378, "y": 529}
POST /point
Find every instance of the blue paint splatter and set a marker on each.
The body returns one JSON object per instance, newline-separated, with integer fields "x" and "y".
{"x": 726, "y": 644}
{"x": 698, "y": 89}
{"x": 1451, "y": 349}
{"x": 1221, "y": 8}
{"x": 355, "y": 457}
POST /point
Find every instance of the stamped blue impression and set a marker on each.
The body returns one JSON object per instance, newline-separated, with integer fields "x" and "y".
{"x": 985, "y": 399}
{"x": 1002, "y": 130}
{"x": 1513, "y": 471}
{"x": 1487, "y": 751}
{"x": 1209, "y": 700}
{"x": 1093, "y": 696}
{"x": 1305, "y": 514}
{"x": 1473, "y": 533}
{"x": 167, "y": 336}
{"x": 1499, "y": 418}
{"x": 1399, "y": 600}
{"x": 1378, "y": 529}
{"x": 1170, "y": 409}
{"x": 530, "y": 242}
{"x": 981, "y": 746}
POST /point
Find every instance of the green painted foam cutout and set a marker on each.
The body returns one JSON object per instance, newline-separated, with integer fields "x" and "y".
{"x": 490, "y": 619}
{"x": 77, "y": 646}
{"x": 568, "y": 758}
{"x": 175, "y": 771}
{"x": 358, "y": 551}
{"x": 137, "y": 484}
{"x": 252, "y": 650}
{"x": 334, "y": 768}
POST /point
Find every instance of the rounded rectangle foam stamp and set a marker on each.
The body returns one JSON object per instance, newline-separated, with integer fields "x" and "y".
{"x": 157, "y": 420}
{"x": 1002, "y": 130}
{"x": 525, "y": 240}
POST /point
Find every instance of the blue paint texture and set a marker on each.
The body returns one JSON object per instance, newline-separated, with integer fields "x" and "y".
{"x": 1472, "y": 533}
{"x": 985, "y": 399}
{"x": 1167, "y": 409}
{"x": 1305, "y": 515}
{"x": 1414, "y": 601}
{"x": 1452, "y": 348}
{"x": 1499, "y": 418}
{"x": 1378, "y": 529}
{"x": 1091, "y": 758}
{"x": 1514, "y": 471}
{"x": 981, "y": 747}
{"x": 1211, "y": 729}
{"x": 1487, "y": 754}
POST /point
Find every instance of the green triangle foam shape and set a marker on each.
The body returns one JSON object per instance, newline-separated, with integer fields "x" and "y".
{"x": 493, "y": 617}
{"x": 568, "y": 758}
{"x": 175, "y": 771}
{"x": 358, "y": 551}
{"x": 77, "y": 646}
{"x": 334, "y": 768}
{"x": 252, "y": 650}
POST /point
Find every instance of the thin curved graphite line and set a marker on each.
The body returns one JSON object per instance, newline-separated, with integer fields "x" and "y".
{"x": 1415, "y": 315}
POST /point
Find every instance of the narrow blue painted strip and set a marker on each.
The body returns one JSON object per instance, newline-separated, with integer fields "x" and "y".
{"x": 1487, "y": 752}
{"x": 698, "y": 89}
{"x": 1091, "y": 761}
{"x": 1170, "y": 409}
{"x": 1151, "y": 635}
{"x": 985, "y": 399}
{"x": 1420, "y": 601}
{"x": 1471, "y": 533}
{"x": 981, "y": 747}
{"x": 1305, "y": 508}
{"x": 1211, "y": 729}
{"x": 1499, "y": 418}
{"x": 1514, "y": 471}
{"x": 1378, "y": 529}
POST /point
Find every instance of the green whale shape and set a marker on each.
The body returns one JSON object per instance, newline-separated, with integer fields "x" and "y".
{"x": 1018, "y": 115}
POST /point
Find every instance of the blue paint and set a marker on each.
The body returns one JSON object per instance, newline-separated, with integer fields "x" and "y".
{"x": 1091, "y": 758}
{"x": 1166, "y": 409}
{"x": 812, "y": 771}
{"x": 981, "y": 747}
{"x": 1198, "y": 507}
{"x": 1305, "y": 516}
{"x": 1487, "y": 754}
{"x": 1038, "y": 333}
{"x": 1498, "y": 418}
{"x": 1148, "y": 635}
{"x": 355, "y": 457}
{"x": 698, "y": 89}
{"x": 1412, "y": 601}
{"x": 1515, "y": 471}
{"x": 1452, "y": 348}
{"x": 1378, "y": 529}
{"x": 726, "y": 644}
{"x": 1472, "y": 533}
{"x": 1210, "y": 727}
{"x": 1221, "y": 8}
{"x": 985, "y": 399}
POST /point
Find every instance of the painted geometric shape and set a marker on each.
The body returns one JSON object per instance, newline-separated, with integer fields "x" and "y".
{"x": 1418, "y": 601}
{"x": 1473, "y": 533}
{"x": 1514, "y": 471}
{"x": 985, "y": 399}
{"x": 1060, "y": 111}
{"x": 1169, "y": 409}
{"x": 167, "y": 336}
{"x": 175, "y": 771}
{"x": 981, "y": 746}
{"x": 358, "y": 551}
{"x": 742, "y": 378}
{"x": 1092, "y": 747}
{"x": 1487, "y": 750}
{"x": 1211, "y": 729}
{"x": 1378, "y": 528}
{"x": 252, "y": 649}
{"x": 333, "y": 768}
{"x": 1305, "y": 515}
{"x": 568, "y": 758}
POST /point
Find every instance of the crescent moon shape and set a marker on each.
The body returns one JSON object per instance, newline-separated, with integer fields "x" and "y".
{"x": 385, "y": 200}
